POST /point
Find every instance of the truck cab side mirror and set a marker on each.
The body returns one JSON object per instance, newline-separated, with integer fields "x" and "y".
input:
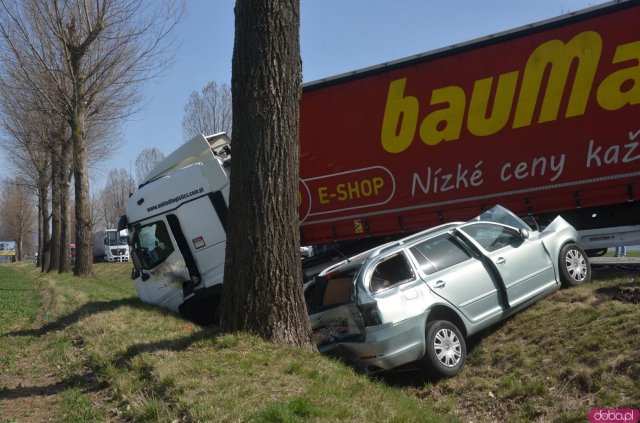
{"x": 122, "y": 222}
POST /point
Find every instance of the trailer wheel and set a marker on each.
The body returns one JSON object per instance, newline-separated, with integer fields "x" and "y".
{"x": 574, "y": 266}
{"x": 446, "y": 350}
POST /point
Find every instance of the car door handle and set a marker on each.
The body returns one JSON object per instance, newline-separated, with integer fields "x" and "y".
{"x": 440, "y": 284}
{"x": 501, "y": 260}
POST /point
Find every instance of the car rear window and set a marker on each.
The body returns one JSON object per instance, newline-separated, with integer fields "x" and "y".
{"x": 391, "y": 271}
{"x": 439, "y": 253}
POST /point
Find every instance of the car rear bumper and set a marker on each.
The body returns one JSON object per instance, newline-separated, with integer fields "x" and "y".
{"x": 386, "y": 346}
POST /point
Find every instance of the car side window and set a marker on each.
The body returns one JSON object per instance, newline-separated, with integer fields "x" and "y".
{"x": 493, "y": 237}
{"x": 391, "y": 271}
{"x": 438, "y": 253}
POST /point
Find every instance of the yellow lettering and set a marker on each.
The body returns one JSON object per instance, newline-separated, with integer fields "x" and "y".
{"x": 353, "y": 191}
{"x": 400, "y": 118}
{"x": 377, "y": 184}
{"x": 322, "y": 195}
{"x": 610, "y": 92}
{"x": 556, "y": 73}
{"x": 478, "y": 122}
{"x": 342, "y": 194}
{"x": 586, "y": 47}
{"x": 451, "y": 116}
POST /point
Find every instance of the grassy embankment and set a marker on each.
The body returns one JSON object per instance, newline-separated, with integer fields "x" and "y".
{"x": 115, "y": 359}
{"x": 111, "y": 358}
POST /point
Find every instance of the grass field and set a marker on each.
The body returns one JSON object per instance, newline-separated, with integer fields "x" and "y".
{"x": 630, "y": 252}
{"x": 86, "y": 350}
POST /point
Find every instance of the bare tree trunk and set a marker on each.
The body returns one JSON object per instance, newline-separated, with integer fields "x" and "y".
{"x": 40, "y": 229}
{"x": 19, "y": 248}
{"x": 65, "y": 185}
{"x": 84, "y": 262}
{"x": 46, "y": 241}
{"x": 262, "y": 290}
{"x": 54, "y": 244}
{"x": 43, "y": 218}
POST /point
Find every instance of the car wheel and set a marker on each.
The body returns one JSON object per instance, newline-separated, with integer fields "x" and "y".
{"x": 574, "y": 266}
{"x": 446, "y": 349}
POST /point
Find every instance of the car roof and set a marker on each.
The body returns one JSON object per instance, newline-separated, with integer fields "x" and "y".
{"x": 496, "y": 214}
{"x": 389, "y": 248}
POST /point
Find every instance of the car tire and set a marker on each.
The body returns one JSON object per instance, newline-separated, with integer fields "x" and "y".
{"x": 574, "y": 266}
{"x": 446, "y": 350}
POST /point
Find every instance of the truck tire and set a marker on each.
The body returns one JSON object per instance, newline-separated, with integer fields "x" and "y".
{"x": 574, "y": 266}
{"x": 446, "y": 350}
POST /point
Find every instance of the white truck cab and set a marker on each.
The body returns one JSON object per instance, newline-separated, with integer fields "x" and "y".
{"x": 178, "y": 260}
{"x": 109, "y": 245}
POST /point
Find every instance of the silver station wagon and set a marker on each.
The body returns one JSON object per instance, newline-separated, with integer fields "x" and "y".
{"x": 419, "y": 298}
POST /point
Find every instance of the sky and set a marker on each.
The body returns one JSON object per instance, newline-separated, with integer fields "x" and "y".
{"x": 336, "y": 36}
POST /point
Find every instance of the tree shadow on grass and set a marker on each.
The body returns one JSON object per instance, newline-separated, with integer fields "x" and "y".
{"x": 88, "y": 381}
{"x": 80, "y": 313}
{"x": 175, "y": 344}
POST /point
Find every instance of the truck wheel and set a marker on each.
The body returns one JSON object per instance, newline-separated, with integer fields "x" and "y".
{"x": 574, "y": 266}
{"x": 446, "y": 351}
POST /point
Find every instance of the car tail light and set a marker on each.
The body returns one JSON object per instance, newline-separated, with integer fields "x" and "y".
{"x": 370, "y": 314}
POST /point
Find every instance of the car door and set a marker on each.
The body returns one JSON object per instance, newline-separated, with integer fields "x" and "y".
{"x": 521, "y": 261}
{"x": 458, "y": 277}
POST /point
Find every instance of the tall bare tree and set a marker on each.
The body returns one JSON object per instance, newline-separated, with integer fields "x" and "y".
{"x": 31, "y": 161}
{"x": 18, "y": 213}
{"x": 37, "y": 141}
{"x": 208, "y": 112}
{"x": 95, "y": 57}
{"x": 262, "y": 291}
{"x": 147, "y": 160}
{"x": 113, "y": 197}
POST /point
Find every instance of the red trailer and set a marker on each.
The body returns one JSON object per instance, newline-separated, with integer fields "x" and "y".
{"x": 543, "y": 119}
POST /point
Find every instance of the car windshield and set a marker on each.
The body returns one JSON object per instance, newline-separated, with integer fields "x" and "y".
{"x": 499, "y": 214}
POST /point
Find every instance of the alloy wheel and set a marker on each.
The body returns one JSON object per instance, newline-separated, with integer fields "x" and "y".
{"x": 447, "y": 347}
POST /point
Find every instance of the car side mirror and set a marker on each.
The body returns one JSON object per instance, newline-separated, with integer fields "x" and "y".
{"x": 524, "y": 234}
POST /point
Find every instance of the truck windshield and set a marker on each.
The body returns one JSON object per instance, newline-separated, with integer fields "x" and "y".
{"x": 152, "y": 244}
{"x": 114, "y": 238}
